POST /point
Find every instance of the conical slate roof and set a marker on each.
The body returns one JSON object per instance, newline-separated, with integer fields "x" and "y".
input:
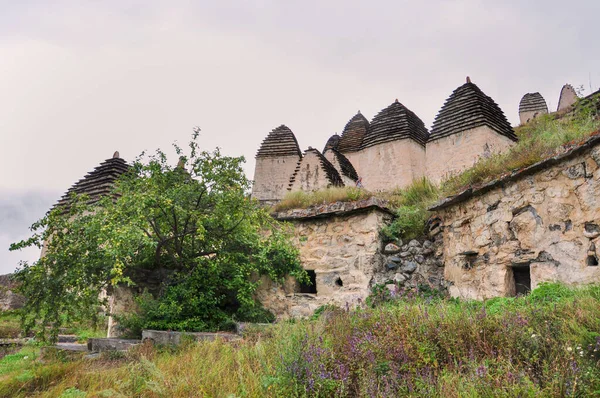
{"x": 332, "y": 174}
{"x": 533, "y": 102}
{"x": 395, "y": 123}
{"x": 353, "y": 134}
{"x": 346, "y": 167}
{"x": 280, "y": 142}
{"x": 467, "y": 108}
{"x": 332, "y": 143}
{"x": 99, "y": 182}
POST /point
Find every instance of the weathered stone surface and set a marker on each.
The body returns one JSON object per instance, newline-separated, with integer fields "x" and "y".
{"x": 391, "y": 248}
{"x": 100, "y": 345}
{"x": 329, "y": 245}
{"x": 544, "y": 218}
{"x": 400, "y": 278}
{"x": 335, "y": 236}
{"x": 391, "y": 266}
{"x": 591, "y": 230}
{"x": 409, "y": 267}
{"x": 9, "y": 300}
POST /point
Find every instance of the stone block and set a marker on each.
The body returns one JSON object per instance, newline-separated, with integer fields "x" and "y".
{"x": 174, "y": 338}
{"x": 110, "y": 344}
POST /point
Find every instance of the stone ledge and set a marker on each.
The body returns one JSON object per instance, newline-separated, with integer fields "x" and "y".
{"x": 174, "y": 338}
{"x": 333, "y": 209}
{"x": 471, "y": 192}
{"x": 110, "y": 344}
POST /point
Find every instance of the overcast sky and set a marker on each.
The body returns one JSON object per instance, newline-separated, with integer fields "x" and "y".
{"x": 81, "y": 79}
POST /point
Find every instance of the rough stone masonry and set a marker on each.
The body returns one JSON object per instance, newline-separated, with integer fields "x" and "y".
{"x": 540, "y": 224}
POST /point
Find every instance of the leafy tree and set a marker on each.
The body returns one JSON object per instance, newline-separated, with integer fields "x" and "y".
{"x": 194, "y": 220}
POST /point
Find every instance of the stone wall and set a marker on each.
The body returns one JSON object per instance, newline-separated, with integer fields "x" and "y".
{"x": 341, "y": 243}
{"x": 526, "y": 117}
{"x": 389, "y": 165}
{"x": 536, "y": 225}
{"x": 9, "y": 299}
{"x": 452, "y": 154}
{"x": 272, "y": 177}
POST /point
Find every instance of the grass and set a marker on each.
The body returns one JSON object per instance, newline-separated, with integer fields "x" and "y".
{"x": 10, "y": 326}
{"x": 301, "y": 199}
{"x": 543, "y": 345}
{"x": 411, "y": 205}
{"x": 540, "y": 139}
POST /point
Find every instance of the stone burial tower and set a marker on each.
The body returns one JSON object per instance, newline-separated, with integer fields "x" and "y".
{"x": 98, "y": 182}
{"x": 469, "y": 125}
{"x": 314, "y": 172}
{"x": 567, "y": 97}
{"x": 531, "y": 106}
{"x": 276, "y": 161}
{"x": 393, "y": 149}
{"x": 350, "y": 142}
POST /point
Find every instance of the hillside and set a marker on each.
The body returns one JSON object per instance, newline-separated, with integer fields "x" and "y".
{"x": 401, "y": 343}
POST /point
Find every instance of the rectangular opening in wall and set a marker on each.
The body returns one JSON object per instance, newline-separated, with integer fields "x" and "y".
{"x": 309, "y": 287}
{"x": 522, "y": 279}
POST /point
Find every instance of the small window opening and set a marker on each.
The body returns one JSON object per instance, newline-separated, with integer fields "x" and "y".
{"x": 311, "y": 286}
{"x": 522, "y": 278}
{"x": 339, "y": 282}
{"x": 592, "y": 261}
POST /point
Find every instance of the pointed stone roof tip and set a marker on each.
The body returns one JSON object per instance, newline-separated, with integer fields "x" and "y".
{"x": 393, "y": 123}
{"x": 330, "y": 172}
{"x": 354, "y": 133}
{"x": 98, "y": 182}
{"x": 568, "y": 97}
{"x": 281, "y": 141}
{"x": 533, "y": 102}
{"x": 467, "y": 108}
{"x": 332, "y": 143}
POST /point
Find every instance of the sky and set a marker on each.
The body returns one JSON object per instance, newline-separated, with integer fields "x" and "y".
{"x": 82, "y": 79}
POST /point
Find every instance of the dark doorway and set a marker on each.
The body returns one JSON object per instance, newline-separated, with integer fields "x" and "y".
{"x": 522, "y": 277}
{"x": 312, "y": 286}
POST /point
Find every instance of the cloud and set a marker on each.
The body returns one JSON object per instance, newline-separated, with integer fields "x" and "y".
{"x": 83, "y": 79}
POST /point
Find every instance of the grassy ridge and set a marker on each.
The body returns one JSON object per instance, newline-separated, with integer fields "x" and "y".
{"x": 539, "y": 139}
{"x": 546, "y": 344}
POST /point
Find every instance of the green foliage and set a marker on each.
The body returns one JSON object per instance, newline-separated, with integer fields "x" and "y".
{"x": 411, "y": 205}
{"x": 408, "y": 224}
{"x": 418, "y": 346}
{"x": 381, "y": 294}
{"x": 194, "y": 219}
{"x": 325, "y": 308}
{"x": 73, "y": 393}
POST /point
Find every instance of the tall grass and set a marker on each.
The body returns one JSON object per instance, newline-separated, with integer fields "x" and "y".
{"x": 411, "y": 205}
{"x": 539, "y": 139}
{"x": 301, "y": 199}
{"x": 546, "y": 344}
